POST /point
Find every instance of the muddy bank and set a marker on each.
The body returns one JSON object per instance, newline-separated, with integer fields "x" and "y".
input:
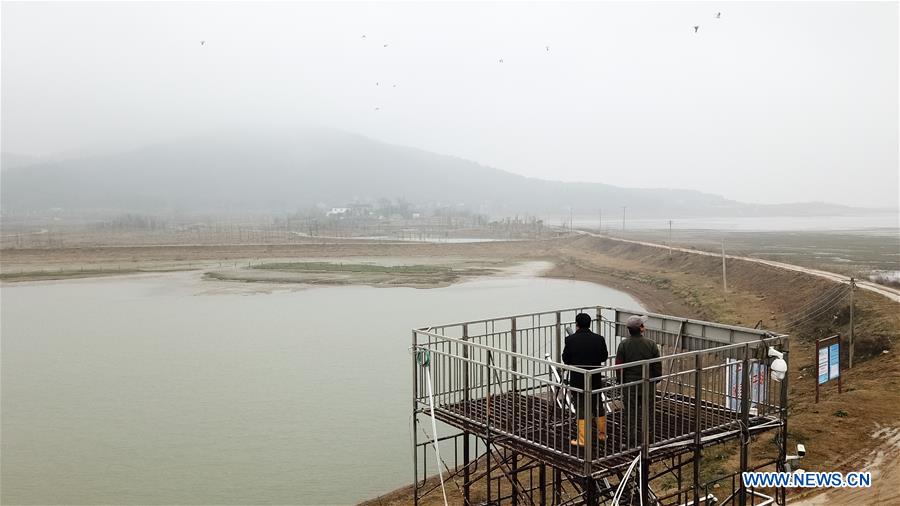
{"x": 384, "y": 272}
{"x": 92, "y": 255}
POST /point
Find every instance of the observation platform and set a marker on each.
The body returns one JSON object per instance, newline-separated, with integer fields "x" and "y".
{"x": 501, "y": 381}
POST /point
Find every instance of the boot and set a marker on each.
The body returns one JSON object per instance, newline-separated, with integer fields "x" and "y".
{"x": 600, "y": 421}
{"x": 580, "y": 440}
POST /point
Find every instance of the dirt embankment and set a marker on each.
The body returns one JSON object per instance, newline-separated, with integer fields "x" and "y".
{"x": 16, "y": 259}
{"x": 840, "y": 432}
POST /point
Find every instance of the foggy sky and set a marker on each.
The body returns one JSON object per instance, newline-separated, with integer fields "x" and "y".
{"x": 772, "y": 102}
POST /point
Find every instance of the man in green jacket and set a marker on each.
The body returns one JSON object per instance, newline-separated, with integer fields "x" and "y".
{"x": 635, "y": 348}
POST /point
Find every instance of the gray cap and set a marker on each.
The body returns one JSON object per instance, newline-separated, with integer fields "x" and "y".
{"x": 635, "y": 322}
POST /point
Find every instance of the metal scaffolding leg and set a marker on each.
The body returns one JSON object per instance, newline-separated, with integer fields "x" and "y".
{"x": 542, "y": 478}
{"x": 467, "y": 472}
{"x": 557, "y": 486}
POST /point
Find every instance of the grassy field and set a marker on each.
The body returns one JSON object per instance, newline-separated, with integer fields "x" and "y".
{"x": 354, "y": 268}
{"x": 386, "y": 272}
{"x": 73, "y": 273}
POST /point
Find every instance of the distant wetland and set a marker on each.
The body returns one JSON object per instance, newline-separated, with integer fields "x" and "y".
{"x": 373, "y": 274}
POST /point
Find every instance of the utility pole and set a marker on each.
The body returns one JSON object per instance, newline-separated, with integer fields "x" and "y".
{"x": 670, "y": 238}
{"x": 570, "y": 218}
{"x": 724, "y": 282}
{"x": 600, "y": 225}
{"x": 623, "y": 218}
{"x": 852, "y": 289}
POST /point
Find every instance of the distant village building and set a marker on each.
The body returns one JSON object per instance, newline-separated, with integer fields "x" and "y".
{"x": 337, "y": 210}
{"x": 360, "y": 209}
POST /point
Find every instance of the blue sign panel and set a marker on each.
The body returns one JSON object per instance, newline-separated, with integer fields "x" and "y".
{"x": 834, "y": 360}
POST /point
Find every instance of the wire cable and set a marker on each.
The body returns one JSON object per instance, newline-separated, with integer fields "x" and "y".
{"x": 437, "y": 449}
{"x": 627, "y": 476}
{"x": 818, "y": 313}
{"x": 812, "y": 305}
{"x": 816, "y": 307}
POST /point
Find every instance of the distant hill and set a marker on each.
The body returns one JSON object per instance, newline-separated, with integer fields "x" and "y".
{"x": 15, "y": 160}
{"x": 290, "y": 170}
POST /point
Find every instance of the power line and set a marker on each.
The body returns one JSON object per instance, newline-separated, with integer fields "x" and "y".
{"x": 815, "y": 303}
{"x": 814, "y": 310}
{"x": 817, "y": 307}
{"x": 819, "y": 312}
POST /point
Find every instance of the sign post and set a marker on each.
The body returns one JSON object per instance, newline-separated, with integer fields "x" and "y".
{"x": 828, "y": 361}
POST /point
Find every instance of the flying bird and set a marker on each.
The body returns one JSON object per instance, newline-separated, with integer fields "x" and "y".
{"x": 376, "y": 83}
{"x": 378, "y": 108}
{"x": 718, "y": 15}
{"x": 363, "y": 37}
{"x": 696, "y": 28}
{"x": 548, "y": 47}
{"x": 202, "y": 42}
{"x": 394, "y": 86}
{"x": 385, "y": 45}
{"x": 501, "y": 60}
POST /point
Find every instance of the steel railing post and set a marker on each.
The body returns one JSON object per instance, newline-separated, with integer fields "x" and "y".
{"x": 466, "y": 397}
{"x": 645, "y": 433}
{"x": 557, "y": 352}
{"x": 745, "y": 421}
{"x": 589, "y": 437}
{"x": 514, "y": 395}
{"x": 415, "y": 419}
{"x": 783, "y": 407}
{"x": 557, "y": 357}
{"x": 487, "y": 431}
{"x": 698, "y": 386}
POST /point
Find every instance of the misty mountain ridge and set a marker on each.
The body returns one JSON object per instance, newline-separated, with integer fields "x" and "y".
{"x": 299, "y": 168}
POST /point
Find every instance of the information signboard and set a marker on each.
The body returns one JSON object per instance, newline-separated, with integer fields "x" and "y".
{"x": 828, "y": 359}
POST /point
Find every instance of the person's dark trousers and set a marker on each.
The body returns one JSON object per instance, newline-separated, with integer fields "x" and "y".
{"x": 596, "y": 405}
{"x": 631, "y": 418}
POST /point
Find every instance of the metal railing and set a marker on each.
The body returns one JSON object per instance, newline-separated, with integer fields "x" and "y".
{"x": 503, "y": 379}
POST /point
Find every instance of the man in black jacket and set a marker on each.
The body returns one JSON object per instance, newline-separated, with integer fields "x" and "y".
{"x": 586, "y": 350}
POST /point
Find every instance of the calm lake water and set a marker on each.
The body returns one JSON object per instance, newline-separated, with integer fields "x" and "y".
{"x": 164, "y": 389}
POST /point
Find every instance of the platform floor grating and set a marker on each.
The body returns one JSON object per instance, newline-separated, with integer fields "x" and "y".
{"x": 545, "y": 430}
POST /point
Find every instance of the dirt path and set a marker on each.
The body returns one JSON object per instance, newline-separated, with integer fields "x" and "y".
{"x": 891, "y": 293}
{"x": 883, "y": 463}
